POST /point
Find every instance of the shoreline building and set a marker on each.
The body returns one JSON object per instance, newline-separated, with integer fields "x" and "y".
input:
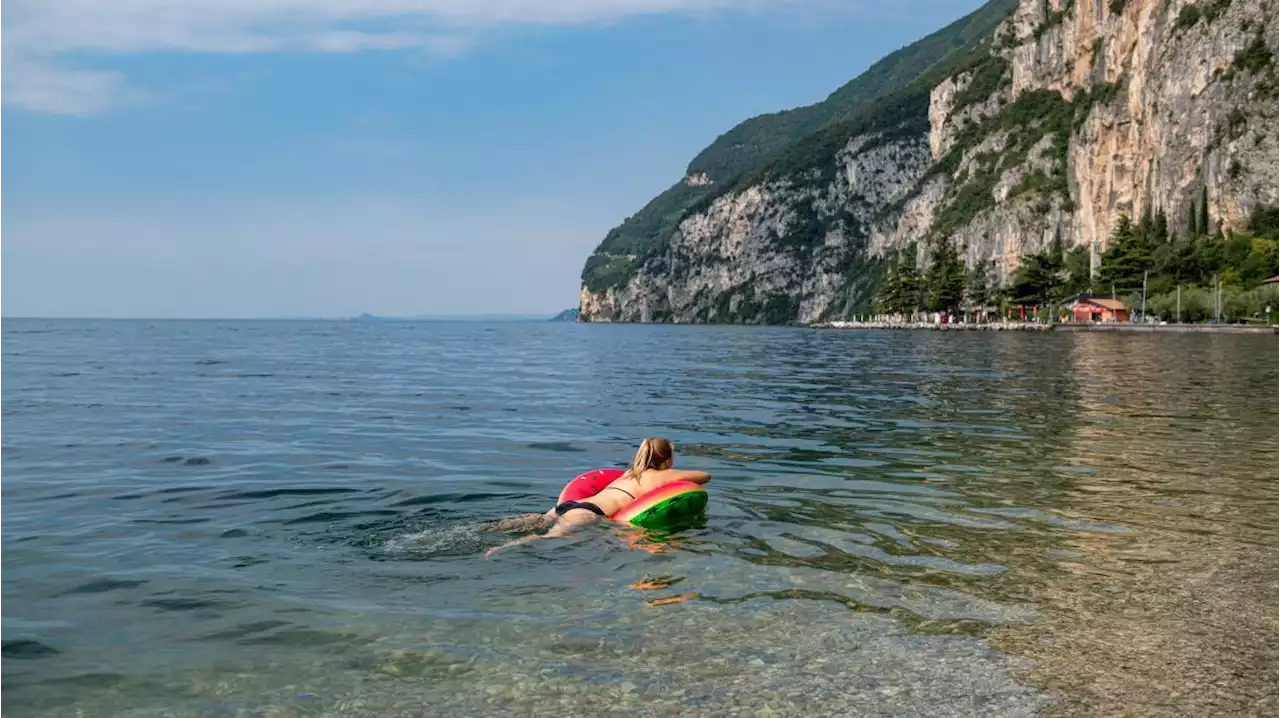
{"x": 1088, "y": 310}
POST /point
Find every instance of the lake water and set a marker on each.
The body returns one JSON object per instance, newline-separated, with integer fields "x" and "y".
{"x": 279, "y": 519}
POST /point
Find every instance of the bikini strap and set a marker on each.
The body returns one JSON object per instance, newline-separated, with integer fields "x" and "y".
{"x": 628, "y": 493}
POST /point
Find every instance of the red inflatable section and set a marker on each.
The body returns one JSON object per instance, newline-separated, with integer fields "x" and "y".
{"x": 588, "y": 484}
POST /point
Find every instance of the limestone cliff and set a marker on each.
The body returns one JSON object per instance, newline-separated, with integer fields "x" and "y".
{"x": 1053, "y": 122}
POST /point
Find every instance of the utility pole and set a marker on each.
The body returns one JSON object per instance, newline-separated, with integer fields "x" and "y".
{"x": 1144, "y": 296}
{"x": 1217, "y": 300}
{"x": 1179, "y": 320}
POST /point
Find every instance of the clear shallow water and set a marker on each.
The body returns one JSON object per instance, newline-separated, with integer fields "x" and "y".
{"x": 279, "y": 518}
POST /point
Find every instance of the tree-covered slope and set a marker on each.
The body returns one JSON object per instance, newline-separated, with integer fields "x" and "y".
{"x": 773, "y": 138}
{"x": 761, "y": 138}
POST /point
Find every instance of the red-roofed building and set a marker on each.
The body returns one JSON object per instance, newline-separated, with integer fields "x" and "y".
{"x": 1085, "y": 310}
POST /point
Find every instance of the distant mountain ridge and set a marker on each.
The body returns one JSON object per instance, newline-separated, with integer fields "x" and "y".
{"x": 451, "y": 318}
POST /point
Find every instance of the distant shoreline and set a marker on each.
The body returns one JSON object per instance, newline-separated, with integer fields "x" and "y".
{"x": 1158, "y": 328}
{"x": 1121, "y": 327}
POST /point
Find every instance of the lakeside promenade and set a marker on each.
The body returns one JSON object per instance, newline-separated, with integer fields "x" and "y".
{"x": 1059, "y": 327}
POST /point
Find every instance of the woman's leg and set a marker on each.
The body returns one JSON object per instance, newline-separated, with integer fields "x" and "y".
{"x": 571, "y": 521}
{"x": 514, "y": 524}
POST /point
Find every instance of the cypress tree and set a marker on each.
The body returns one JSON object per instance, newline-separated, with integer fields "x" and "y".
{"x": 1057, "y": 251}
{"x": 888, "y": 297}
{"x": 1147, "y": 224}
{"x": 1076, "y": 268}
{"x": 909, "y": 282}
{"x": 1203, "y": 227}
{"x": 978, "y": 289}
{"x": 945, "y": 277}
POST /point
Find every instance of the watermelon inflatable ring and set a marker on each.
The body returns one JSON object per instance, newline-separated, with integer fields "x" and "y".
{"x": 665, "y": 506}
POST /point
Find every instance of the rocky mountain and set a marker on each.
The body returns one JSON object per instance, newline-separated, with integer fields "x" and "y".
{"x": 1024, "y": 123}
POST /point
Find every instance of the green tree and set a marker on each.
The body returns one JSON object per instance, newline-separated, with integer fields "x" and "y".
{"x": 899, "y": 291}
{"x": 1057, "y": 251}
{"x": 1167, "y": 266}
{"x": 1126, "y": 259}
{"x": 1192, "y": 220}
{"x": 1235, "y": 254}
{"x": 1265, "y": 258}
{"x": 1036, "y": 280}
{"x": 944, "y": 278}
{"x": 1162, "y": 226}
{"x": 1205, "y": 258}
{"x": 978, "y": 285}
{"x": 1076, "y": 267}
{"x": 1196, "y": 305}
{"x": 1264, "y": 221}
{"x": 1147, "y": 224}
{"x": 908, "y": 282}
{"x": 1048, "y": 277}
{"x": 889, "y": 294}
{"x": 1202, "y": 227}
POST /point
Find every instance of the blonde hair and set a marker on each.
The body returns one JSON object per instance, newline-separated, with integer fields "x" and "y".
{"x": 654, "y": 453}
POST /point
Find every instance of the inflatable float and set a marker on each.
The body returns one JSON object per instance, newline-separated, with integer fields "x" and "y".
{"x": 665, "y": 506}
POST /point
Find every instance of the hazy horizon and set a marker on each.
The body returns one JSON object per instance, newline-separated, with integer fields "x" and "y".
{"x": 306, "y": 318}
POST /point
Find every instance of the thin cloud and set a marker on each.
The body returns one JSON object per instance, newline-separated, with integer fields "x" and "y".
{"x": 44, "y": 87}
{"x": 41, "y": 36}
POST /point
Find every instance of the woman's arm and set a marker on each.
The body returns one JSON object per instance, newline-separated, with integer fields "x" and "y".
{"x": 697, "y": 477}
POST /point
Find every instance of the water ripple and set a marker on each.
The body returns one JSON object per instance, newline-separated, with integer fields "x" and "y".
{"x": 200, "y": 510}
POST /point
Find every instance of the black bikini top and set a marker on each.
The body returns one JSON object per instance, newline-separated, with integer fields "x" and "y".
{"x": 628, "y": 493}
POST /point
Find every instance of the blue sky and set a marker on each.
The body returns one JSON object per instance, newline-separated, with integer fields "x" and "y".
{"x": 251, "y": 158}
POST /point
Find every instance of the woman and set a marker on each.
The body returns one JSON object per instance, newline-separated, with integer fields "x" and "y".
{"x": 650, "y": 469}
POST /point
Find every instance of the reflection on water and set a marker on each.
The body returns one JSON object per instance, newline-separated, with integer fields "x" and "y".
{"x": 1178, "y": 614}
{"x": 283, "y": 518}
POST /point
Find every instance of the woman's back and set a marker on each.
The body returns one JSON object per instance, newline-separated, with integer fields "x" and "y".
{"x": 628, "y": 487}
{"x": 651, "y": 479}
